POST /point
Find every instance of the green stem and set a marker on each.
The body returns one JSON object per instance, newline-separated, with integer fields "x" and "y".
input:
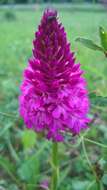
{"x": 91, "y": 167}
{"x": 99, "y": 186}
{"x": 90, "y": 185}
{"x": 87, "y": 158}
{"x": 94, "y": 142}
{"x": 55, "y": 168}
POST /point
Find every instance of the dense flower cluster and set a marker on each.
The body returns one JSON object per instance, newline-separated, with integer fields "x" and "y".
{"x": 53, "y": 96}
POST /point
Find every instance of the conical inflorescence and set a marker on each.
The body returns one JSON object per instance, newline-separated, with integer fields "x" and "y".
{"x": 53, "y": 96}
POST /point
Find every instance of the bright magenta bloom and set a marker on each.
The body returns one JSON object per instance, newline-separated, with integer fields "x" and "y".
{"x": 53, "y": 94}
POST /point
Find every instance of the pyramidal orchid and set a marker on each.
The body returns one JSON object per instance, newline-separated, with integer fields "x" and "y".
{"x": 53, "y": 93}
{"x": 53, "y": 98}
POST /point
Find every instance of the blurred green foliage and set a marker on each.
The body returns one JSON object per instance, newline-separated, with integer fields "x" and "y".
{"x": 25, "y": 157}
{"x": 45, "y": 1}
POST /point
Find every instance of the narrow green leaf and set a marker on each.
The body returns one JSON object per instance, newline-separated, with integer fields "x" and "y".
{"x": 98, "y": 100}
{"x": 13, "y": 152}
{"x": 89, "y": 43}
{"x": 103, "y": 37}
{"x": 4, "y": 130}
{"x": 6, "y": 165}
{"x": 9, "y": 168}
{"x": 64, "y": 175}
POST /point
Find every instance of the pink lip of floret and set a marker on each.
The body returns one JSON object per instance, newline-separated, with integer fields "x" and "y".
{"x": 53, "y": 96}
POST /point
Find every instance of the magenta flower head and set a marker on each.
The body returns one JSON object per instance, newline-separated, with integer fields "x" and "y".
{"x": 53, "y": 93}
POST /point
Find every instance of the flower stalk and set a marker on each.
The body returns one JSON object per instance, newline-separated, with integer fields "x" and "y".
{"x": 98, "y": 182}
{"x": 55, "y": 168}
